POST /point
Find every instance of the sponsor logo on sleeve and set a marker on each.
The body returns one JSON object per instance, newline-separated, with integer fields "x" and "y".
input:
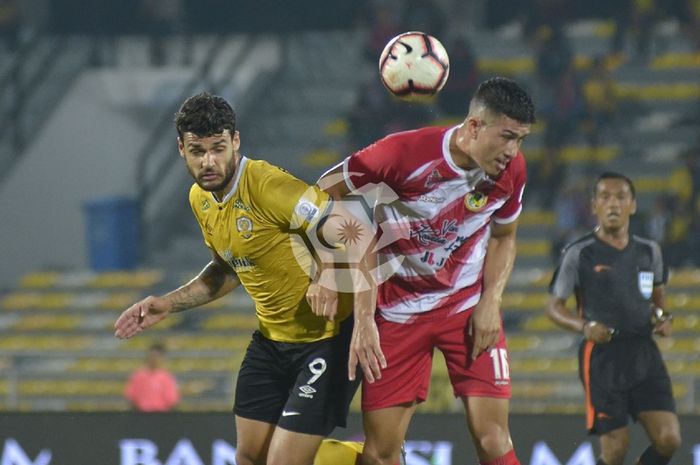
{"x": 306, "y": 210}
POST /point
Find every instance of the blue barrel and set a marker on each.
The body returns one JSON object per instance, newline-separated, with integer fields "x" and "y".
{"x": 113, "y": 232}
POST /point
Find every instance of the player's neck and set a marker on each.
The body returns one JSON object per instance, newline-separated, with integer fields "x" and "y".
{"x": 618, "y": 238}
{"x": 460, "y": 155}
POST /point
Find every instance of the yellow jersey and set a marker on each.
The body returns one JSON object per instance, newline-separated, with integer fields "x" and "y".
{"x": 257, "y": 229}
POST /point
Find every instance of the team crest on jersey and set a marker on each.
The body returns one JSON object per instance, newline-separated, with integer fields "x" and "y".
{"x": 205, "y": 205}
{"x": 475, "y": 201}
{"x": 244, "y": 225}
{"x": 646, "y": 283}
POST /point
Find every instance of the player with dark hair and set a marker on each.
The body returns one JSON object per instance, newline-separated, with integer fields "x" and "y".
{"x": 442, "y": 270}
{"x": 292, "y": 388}
{"x": 618, "y": 280}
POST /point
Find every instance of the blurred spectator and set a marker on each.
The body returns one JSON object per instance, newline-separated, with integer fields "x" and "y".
{"x": 545, "y": 15}
{"x": 463, "y": 79}
{"x": 572, "y": 214}
{"x": 600, "y": 96}
{"x": 692, "y": 165}
{"x": 376, "y": 114}
{"x": 658, "y": 219}
{"x": 562, "y": 108}
{"x": 425, "y": 16}
{"x": 153, "y": 388}
{"x": 367, "y": 115}
{"x": 384, "y": 24}
{"x": 678, "y": 236}
{"x": 690, "y": 18}
{"x": 636, "y": 17}
{"x": 162, "y": 19}
{"x": 9, "y": 24}
{"x": 554, "y": 56}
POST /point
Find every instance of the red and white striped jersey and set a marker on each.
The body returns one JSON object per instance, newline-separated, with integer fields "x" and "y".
{"x": 433, "y": 238}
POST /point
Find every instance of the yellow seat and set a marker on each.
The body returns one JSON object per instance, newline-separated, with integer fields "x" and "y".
{"x": 536, "y": 218}
{"x": 49, "y": 343}
{"x": 540, "y": 323}
{"x": 524, "y": 301}
{"x": 231, "y": 321}
{"x": 39, "y": 280}
{"x": 544, "y": 365}
{"x": 523, "y": 343}
{"x": 60, "y": 387}
{"x": 127, "y": 279}
{"x": 533, "y": 247}
{"x": 47, "y": 322}
{"x": 38, "y": 300}
{"x": 190, "y": 342}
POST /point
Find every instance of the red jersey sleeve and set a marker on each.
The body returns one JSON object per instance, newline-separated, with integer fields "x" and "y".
{"x": 374, "y": 164}
{"x": 510, "y": 210}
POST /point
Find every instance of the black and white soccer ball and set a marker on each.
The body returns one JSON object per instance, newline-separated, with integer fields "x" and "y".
{"x": 414, "y": 66}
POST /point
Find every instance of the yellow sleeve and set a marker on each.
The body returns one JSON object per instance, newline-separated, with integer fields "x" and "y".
{"x": 288, "y": 201}
{"x": 198, "y": 203}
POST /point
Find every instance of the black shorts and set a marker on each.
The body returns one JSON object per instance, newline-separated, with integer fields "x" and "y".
{"x": 301, "y": 387}
{"x": 621, "y": 379}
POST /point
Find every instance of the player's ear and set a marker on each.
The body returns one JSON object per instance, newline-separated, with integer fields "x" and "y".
{"x": 236, "y": 140}
{"x": 181, "y": 147}
{"x": 472, "y": 124}
{"x": 634, "y": 207}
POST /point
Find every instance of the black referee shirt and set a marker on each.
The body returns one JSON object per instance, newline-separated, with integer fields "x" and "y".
{"x": 612, "y": 286}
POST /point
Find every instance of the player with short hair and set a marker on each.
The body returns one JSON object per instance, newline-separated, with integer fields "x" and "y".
{"x": 619, "y": 283}
{"x": 292, "y": 387}
{"x": 443, "y": 268}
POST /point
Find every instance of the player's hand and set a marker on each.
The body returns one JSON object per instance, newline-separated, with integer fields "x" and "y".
{"x": 141, "y": 315}
{"x": 366, "y": 350}
{"x": 597, "y": 332}
{"x": 322, "y": 300}
{"x": 663, "y": 327}
{"x": 484, "y": 326}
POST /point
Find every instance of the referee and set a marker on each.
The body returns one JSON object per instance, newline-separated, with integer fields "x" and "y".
{"x": 618, "y": 280}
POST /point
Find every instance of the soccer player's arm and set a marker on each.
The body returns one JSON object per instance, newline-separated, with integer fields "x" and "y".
{"x": 373, "y": 165}
{"x": 564, "y": 282}
{"x": 662, "y": 318}
{"x": 485, "y": 324}
{"x": 215, "y": 280}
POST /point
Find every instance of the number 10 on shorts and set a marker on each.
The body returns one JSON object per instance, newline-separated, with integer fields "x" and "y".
{"x": 499, "y": 358}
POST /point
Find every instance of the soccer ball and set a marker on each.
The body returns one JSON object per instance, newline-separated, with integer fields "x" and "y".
{"x": 414, "y": 65}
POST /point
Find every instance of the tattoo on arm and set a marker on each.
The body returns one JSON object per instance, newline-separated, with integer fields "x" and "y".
{"x": 210, "y": 284}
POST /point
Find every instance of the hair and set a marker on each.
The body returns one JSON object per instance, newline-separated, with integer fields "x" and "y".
{"x": 157, "y": 347}
{"x": 614, "y": 175}
{"x": 504, "y": 96}
{"x": 205, "y": 115}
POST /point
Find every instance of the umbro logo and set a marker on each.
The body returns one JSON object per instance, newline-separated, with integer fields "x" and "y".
{"x": 287, "y": 413}
{"x": 307, "y": 391}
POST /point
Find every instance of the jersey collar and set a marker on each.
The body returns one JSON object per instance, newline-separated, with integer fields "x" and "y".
{"x": 473, "y": 176}
{"x": 236, "y": 180}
